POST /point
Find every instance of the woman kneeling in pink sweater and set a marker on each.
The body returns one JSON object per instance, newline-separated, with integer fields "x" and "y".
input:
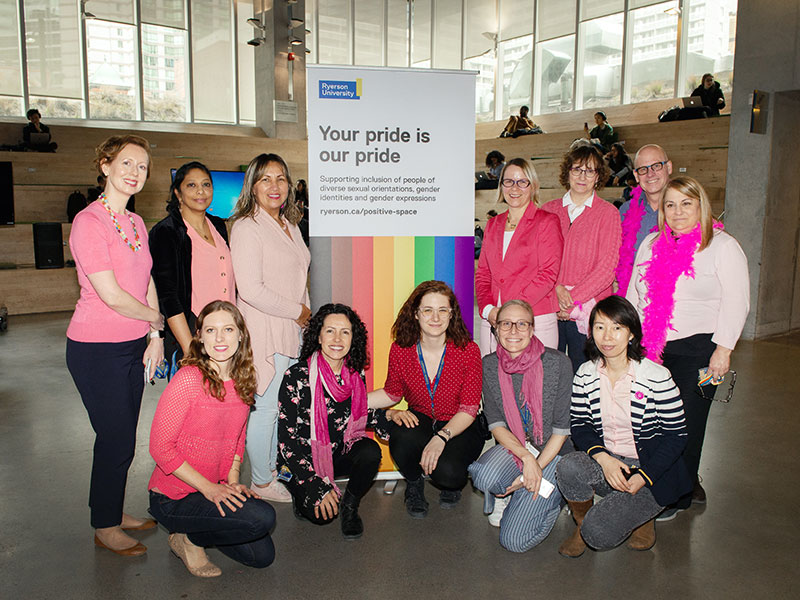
{"x": 197, "y": 440}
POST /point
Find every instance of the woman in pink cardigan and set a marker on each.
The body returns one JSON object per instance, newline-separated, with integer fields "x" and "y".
{"x": 270, "y": 264}
{"x": 197, "y": 441}
{"x": 520, "y": 257}
{"x": 592, "y": 237}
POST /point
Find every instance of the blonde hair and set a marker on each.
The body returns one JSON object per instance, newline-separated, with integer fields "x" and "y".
{"x": 691, "y": 188}
{"x": 530, "y": 173}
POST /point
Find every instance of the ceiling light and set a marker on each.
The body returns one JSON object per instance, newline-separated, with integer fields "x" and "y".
{"x": 257, "y": 41}
{"x": 295, "y": 41}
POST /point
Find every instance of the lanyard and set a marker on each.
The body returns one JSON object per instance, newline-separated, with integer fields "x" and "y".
{"x": 431, "y": 388}
{"x": 525, "y": 413}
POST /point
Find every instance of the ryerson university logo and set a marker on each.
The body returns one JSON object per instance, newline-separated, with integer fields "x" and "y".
{"x": 341, "y": 90}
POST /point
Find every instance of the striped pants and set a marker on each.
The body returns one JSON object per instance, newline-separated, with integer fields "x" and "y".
{"x": 526, "y": 522}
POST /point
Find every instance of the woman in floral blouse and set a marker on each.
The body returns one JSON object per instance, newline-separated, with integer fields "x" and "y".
{"x": 312, "y": 450}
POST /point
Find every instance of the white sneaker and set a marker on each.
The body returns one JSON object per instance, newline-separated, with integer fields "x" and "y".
{"x": 274, "y": 492}
{"x": 499, "y": 508}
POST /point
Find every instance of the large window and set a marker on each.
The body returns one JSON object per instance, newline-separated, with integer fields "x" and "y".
{"x": 212, "y": 48}
{"x": 111, "y": 63}
{"x": 334, "y": 34}
{"x": 369, "y": 32}
{"x": 165, "y": 80}
{"x": 515, "y": 58}
{"x": 710, "y": 42}
{"x": 555, "y": 67}
{"x": 652, "y": 38}
{"x": 10, "y": 67}
{"x": 601, "y": 52}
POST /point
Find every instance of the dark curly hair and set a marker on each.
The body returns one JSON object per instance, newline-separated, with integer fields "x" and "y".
{"x": 241, "y": 371}
{"x": 358, "y": 357}
{"x": 584, "y": 155}
{"x": 622, "y": 312}
{"x": 405, "y": 330}
{"x": 172, "y": 202}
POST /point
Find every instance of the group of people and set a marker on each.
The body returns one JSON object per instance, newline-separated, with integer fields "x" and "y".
{"x": 251, "y": 369}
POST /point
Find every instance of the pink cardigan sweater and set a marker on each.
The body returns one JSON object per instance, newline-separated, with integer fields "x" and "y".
{"x": 529, "y": 270}
{"x": 591, "y": 248}
{"x": 192, "y": 426}
{"x": 271, "y": 274}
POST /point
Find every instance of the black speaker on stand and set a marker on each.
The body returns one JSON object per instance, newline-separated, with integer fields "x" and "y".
{"x": 48, "y": 246}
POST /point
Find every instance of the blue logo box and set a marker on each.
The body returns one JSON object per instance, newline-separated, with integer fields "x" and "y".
{"x": 340, "y": 90}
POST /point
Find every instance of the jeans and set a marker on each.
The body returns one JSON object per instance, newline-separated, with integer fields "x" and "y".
{"x": 406, "y": 446}
{"x": 262, "y": 428}
{"x": 361, "y": 465}
{"x": 110, "y": 380}
{"x": 526, "y": 521}
{"x": 242, "y": 535}
{"x": 572, "y": 342}
{"x": 611, "y": 520}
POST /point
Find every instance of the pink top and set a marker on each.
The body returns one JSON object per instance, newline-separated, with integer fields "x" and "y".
{"x": 530, "y": 266}
{"x": 715, "y": 301}
{"x": 591, "y": 248}
{"x": 96, "y": 246}
{"x": 615, "y": 411}
{"x": 271, "y": 275}
{"x": 192, "y": 426}
{"x": 212, "y": 271}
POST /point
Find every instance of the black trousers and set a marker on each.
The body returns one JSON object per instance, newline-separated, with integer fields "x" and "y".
{"x": 684, "y": 358}
{"x": 406, "y": 445}
{"x": 572, "y": 342}
{"x": 361, "y": 465}
{"x": 110, "y": 380}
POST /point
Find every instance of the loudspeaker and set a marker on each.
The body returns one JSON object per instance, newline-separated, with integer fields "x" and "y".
{"x": 48, "y": 246}
{"x": 6, "y": 194}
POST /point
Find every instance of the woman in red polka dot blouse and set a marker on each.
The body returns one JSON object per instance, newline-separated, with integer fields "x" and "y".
{"x": 436, "y": 367}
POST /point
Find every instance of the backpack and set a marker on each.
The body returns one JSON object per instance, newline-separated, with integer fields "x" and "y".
{"x": 75, "y": 204}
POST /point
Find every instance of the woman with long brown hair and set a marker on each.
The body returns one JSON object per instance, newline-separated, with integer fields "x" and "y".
{"x": 436, "y": 367}
{"x": 197, "y": 440}
{"x": 270, "y": 261}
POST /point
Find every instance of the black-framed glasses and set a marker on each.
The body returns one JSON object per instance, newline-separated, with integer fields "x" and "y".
{"x": 731, "y": 375}
{"x": 520, "y": 183}
{"x": 655, "y": 168}
{"x": 522, "y": 326}
{"x": 585, "y": 171}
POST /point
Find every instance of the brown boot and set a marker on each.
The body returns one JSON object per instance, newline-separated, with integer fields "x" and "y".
{"x": 643, "y": 537}
{"x": 574, "y": 545}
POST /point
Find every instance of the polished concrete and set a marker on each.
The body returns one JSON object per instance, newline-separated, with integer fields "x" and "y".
{"x": 743, "y": 543}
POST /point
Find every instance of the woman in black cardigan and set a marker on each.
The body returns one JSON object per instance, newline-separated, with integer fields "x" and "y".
{"x": 189, "y": 244}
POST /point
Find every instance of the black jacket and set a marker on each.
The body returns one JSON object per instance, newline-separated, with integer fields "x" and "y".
{"x": 171, "y": 249}
{"x": 710, "y": 96}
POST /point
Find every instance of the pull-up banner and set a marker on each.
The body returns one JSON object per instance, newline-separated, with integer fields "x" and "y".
{"x": 390, "y": 152}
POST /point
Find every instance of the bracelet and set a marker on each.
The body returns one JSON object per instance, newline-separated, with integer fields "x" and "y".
{"x": 441, "y": 437}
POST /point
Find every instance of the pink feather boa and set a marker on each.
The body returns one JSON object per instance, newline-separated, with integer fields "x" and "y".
{"x": 671, "y": 258}
{"x": 630, "y": 229}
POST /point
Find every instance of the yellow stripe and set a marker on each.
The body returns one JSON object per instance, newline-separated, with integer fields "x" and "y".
{"x": 403, "y": 270}
{"x": 643, "y": 474}
{"x": 593, "y": 447}
{"x": 358, "y": 87}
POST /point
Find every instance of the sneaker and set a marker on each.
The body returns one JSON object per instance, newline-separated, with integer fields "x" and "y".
{"x": 416, "y": 505}
{"x": 275, "y": 491}
{"x": 669, "y": 513}
{"x": 499, "y": 508}
{"x": 698, "y": 493}
{"x": 449, "y": 498}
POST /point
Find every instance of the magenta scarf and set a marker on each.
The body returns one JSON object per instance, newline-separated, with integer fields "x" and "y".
{"x": 671, "y": 258}
{"x": 321, "y": 378}
{"x": 530, "y": 364}
{"x": 630, "y": 230}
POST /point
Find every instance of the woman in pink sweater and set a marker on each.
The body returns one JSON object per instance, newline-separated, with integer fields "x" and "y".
{"x": 270, "y": 262}
{"x": 592, "y": 237}
{"x": 197, "y": 441}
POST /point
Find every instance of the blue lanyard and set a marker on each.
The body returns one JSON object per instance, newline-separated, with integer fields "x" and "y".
{"x": 525, "y": 413}
{"x": 431, "y": 388}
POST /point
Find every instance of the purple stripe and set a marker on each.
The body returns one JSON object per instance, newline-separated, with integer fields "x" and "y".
{"x": 463, "y": 285}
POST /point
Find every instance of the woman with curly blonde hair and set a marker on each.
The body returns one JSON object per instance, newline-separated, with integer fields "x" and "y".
{"x": 197, "y": 440}
{"x": 436, "y": 367}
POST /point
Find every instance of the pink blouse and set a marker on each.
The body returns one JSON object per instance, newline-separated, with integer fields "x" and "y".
{"x": 615, "y": 410}
{"x": 192, "y": 426}
{"x": 97, "y": 246}
{"x": 212, "y": 271}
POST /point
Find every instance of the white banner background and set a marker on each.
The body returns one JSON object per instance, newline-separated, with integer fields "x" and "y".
{"x": 399, "y": 160}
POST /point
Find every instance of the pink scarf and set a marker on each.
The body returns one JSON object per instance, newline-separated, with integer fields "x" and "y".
{"x": 671, "y": 258}
{"x": 630, "y": 230}
{"x": 529, "y": 363}
{"x": 321, "y": 379}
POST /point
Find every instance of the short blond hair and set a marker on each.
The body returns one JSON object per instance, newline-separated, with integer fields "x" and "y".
{"x": 530, "y": 173}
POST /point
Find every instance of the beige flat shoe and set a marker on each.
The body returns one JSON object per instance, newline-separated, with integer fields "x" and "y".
{"x": 177, "y": 543}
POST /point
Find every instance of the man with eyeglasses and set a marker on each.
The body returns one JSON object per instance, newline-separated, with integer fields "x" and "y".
{"x": 652, "y": 169}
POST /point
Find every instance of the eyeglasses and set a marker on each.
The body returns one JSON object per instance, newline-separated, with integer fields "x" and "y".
{"x": 586, "y": 172}
{"x": 428, "y": 312}
{"x": 522, "y": 326}
{"x": 655, "y": 168}
{"x": 521, "y": 183}
{"x": 701, "y": 387}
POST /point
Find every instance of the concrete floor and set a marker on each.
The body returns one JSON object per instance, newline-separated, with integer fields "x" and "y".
{"x": 743, "y": 543}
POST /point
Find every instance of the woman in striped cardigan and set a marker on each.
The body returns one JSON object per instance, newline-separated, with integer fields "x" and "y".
{"x": 628, "y": 427}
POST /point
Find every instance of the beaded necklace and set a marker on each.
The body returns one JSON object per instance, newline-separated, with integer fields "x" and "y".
{"x": 137, "y": 245}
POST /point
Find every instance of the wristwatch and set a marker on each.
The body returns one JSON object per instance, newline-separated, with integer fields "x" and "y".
{"x": 447, "y": 432}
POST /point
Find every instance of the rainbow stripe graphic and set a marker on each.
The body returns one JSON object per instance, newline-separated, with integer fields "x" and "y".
{"x": 375, "y": 275}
